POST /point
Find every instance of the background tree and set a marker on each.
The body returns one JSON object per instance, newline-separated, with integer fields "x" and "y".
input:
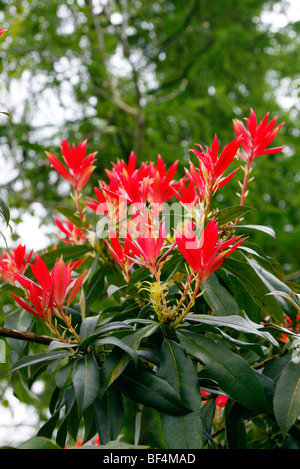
{"x": 152, "y": 77}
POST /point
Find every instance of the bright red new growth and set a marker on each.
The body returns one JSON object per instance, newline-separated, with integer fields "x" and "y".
{"x": 49, "y": 292}
{"x": 147, "y": 249}
{"x": 208, "y": 177}
{"x": 12, "y": 262}
{"x": 204, "y": 255}
{"x": 73, "y": 234}
{"x": 257, "y": 137}
{"x": 79, "y": 166}
{"x": 120, "y": 253}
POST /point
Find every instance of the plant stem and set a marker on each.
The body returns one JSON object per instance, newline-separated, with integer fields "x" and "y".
{"x": 245, "y": 183}
{"x": 28, "y": 336}
{"x": 81, "y": 214}
{"x": 246, "y": 180}
{"x": 191, "y": 303}
{"x": 69, "y": 325}
{"x": 183, "y": 296}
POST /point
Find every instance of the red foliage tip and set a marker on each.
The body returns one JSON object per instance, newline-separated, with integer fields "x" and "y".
{"x": 257, "y": 137}
{"x": 79, "y": 166}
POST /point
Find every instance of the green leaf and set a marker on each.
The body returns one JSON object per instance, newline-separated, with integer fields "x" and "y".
{"x": 235, "y": 429}
{"x": 40, "y": 357}
{"x": 184, "y": 431}
{"x": 70, "y": 215}
{"x": 255, "y": 347}
{"x": 171, "y": 266}
{"x": 138, "y": 275}
{"x": 88, "y": 326}
{"x": 264, "y": 229}
{"x": 56, "y": 344}
{"x": 48, "y": 428}
{"x": 39, "y": 442}
{"x": 287, "y": 396}
{"x": 70, "y": 410}
{"x": 86, "y": 381}
{"x": 274, "y": 368}
{"x": 148, "y": 389}
{"x": 90, "y": 429}
{"x": 111, "y": 340}
{"x": 118, "y": 359}
{"x": 7, "y": 114}
{"x": 91, "y": 339}
{"x": 239, "y": 323}
{"x": 288, "y": 297}
{"x": 96, "y": 287}
{"x": 254, "y": 285}
{"x": 109, "y": 415}
{"x": 63, "y": 374}
{"x": 218, "y": 297}
{"x": 232, "y": 373}
{"x": 2, "y": 351}
{"x": 273, "y": 284}
{"x": 232, "y": 213}
{"x": 69, "y": 253}
{"x": 4, "y": 210}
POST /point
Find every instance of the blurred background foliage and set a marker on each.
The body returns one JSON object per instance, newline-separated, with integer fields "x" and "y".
{"x": 156, "y": 78}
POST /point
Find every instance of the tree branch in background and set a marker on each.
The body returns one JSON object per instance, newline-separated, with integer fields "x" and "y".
{"x": 137, "y": 111}
{"x": 111, "y": 79}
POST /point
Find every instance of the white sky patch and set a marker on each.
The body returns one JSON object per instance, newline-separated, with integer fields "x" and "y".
{"x": 281, "y": 16}
{"x": 18, "y": 421}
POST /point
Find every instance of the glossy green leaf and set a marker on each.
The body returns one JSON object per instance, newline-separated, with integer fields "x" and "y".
{"x": 40, "y": 357}
{"x": 4, "y": 210}
{"x": 109, "y": 415}
{"x": 255, "y": 286}
{"x": 138, "y": 275}
{"x": 69, "y": 253}
{"x": 228, "y": 214}
{"x": 288, "y": 296}
{"x": 70, "y": 405}
{"x": 88, "y": 326}
{"x": 6, "y": 114}
{"x": 287, "y": 396}
{"x": 96, "y": 287}
{"x": 111, "y": 340}
{"x": 86, "y": 381}
{"x": 235, "y": 430}
{"x": 118, "y": 359}
{"x": 232, "y": 372}
{"x": 90, "y": 428}
{"x": 101, "y": 331}
{"x": 70, "y": 215}
{"x": 184, "y": 431}
{"x": 274, "y": 284}
{"x": 171, "y": 266}
{"x": 274, "y": 368}
{"x": 239, "y": 323}
{"x": 2, "y": 351}
{"x": 48, "y": 428}
{"x": 145, "y": 387}
{"x": 39, "y": 442}
{"x": 264, "y": 229}
{"x": 218, "y": 297}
